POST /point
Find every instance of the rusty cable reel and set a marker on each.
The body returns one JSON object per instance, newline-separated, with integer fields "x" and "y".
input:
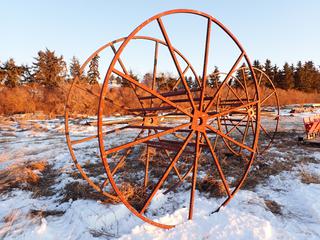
{"x": 77, "y": 142}
{"x": 187, "y": 142}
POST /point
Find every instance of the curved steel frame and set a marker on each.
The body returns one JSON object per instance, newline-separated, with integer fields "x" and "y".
{"x": 202, "y": 112}
{"x": 262, "y": 78}
{"x": 71, "y": 143}
{"x": 261, "y": 75}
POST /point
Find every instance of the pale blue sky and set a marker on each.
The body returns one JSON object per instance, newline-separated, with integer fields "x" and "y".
{"x": 286, "y": 30}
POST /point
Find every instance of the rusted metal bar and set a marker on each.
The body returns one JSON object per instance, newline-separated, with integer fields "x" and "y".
{"x": 152, "y": 109}
{"x": 172, "y": 93}
{"x": 166, "y": 173}
{"x": 154, "y": 144}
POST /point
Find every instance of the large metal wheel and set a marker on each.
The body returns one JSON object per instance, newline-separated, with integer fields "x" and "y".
{"x": 180, "y": 132}
{"x": 270, "y": 110}
{"x": 80, "y": 141}
{"x": 240, "y": 87}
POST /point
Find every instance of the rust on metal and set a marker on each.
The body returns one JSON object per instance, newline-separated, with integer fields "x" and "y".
{"x": 177, "y": 132}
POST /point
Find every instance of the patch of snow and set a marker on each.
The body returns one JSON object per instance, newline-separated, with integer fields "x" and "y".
{"x": 246, "y": 217}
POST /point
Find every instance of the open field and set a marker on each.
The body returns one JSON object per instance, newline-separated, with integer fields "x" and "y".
{"x": 44, "y": 197}
{"x": 51, "y": 102}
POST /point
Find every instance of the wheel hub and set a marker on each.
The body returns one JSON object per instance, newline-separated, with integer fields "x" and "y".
{"x": 199, "y": 121}
{"x": 151, "y": 121}
{"x": 251, "y": 112}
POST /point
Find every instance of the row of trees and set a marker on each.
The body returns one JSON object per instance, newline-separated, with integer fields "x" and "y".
{"x": 48, "y": 70}
{"x": 51, "y": 70}
{"x": 302, "y": 76}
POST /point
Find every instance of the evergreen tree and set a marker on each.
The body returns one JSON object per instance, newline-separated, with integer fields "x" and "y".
{"x": 286, "y": 80}
{"x": 2, "y": 74}
{"x": 118, "y": 80}
{"x": 257, "y": 64}
{"x": 213, "y": 78}
{"x": 242, "y": 75}
{"x": 11, "y": 74}
{"x": 297, "y": 76}
{"x": 268, "y": 68}
{"x": 126, "y": 83}
{"x": 161, "y": 81}
{"x": 147, "y": 79}
{"x": 190, "y": 82}
{"x": 50, "y": 70}
{"x": 27, "y": 76}
{"x": 275, "y": 77}
{"x": 308, "y": 77}
{"x": 75, "y": 69}
{"x": 93, "y": 73}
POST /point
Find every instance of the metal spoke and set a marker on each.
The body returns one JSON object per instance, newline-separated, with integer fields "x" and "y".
{"x": 119, "y": 164}
{"x": 177, "y": 184}
{"x": 264, "y": 130}
{"x": 166, "y": 173}
{"x": 167, "y": 153}
{"x": 86, "y": 139}
{"x": 245, "y": 83}
{"x": 152, "y": 92}
{"x": 232, "y": 110}
{"x": 234, "y": 93}
{"x": 179, "y": 79}
{"x": 146, "y": 172}
{"x": 205, "y": 65}
{"x": 173, "y": 55}
{"x": 230, "y": 139}
{"x": 154, "y": 74}
{"x": 266, "y": 98}
{"x": 235, "y": 126}
{"x": 225, "y": 80}
{"x": 245, "y": 133}
{"x": 126, "y": 73}
{"x": 145, "y": 139}
{"x": 194, "y": 174}
{"x": 216, "y": 161}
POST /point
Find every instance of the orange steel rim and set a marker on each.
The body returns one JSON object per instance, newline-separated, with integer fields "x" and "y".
{"x": 69, "y": 141}
{"x": 198, "y": 113}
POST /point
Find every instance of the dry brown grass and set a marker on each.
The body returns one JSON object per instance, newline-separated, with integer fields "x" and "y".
{"x": 36, "y": 213}
{"x": 37, "y": 177}
{"x": 34, "y": 98}
{"x": 273, "y": 207}
{"x": 29, "y": 99}
{"x": 297, "y": 97}
{"x": 211, "y": 186}
{"x": 309, "y": 178}
{"x": 8, "y": 221}
{"x": 135, "y": 194}
{"x": 80, "y": 190}
{"x": 18, "y": 174}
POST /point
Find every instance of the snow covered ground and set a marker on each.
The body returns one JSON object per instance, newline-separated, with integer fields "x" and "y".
{"x": 284, "y": 206}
